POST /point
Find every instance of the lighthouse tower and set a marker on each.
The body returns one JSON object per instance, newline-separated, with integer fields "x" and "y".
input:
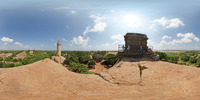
{"x": 59, "y": 48}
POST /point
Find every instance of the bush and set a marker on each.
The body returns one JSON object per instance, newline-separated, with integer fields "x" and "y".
{"x": 173, "y": 59}
{"x": 162, "y": 55}
{"x": 198, "y": 62}
{"x": 78, "y": 68}
{"x": 111, "y": 59}
{"x": 185, "y": 57}
{"x": 192, "y": 60}
{"x": 19, "y": 64}
{"x": 84, "y": 59}
{"x": 70, "y": 59}
{"x": 1, "y": 58}
{"x": 91, "y": 63}
{"x": 4, "y": 65}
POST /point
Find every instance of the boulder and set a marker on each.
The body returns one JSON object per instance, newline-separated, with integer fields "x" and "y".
{"x": 58, "y": 59}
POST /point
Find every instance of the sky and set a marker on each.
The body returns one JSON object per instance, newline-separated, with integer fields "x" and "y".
{"x": 98, "y": 24}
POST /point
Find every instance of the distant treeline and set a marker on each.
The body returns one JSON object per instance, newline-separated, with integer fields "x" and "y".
{"x": 183, "y": 58}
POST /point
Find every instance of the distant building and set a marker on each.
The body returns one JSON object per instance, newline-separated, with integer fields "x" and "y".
{"x": 58, "y": 48}
{"x": 135, "y": 46}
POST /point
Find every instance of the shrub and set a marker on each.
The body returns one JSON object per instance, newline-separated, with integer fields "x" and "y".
{"x": 71, "y": 58}
{"x": 173, "y": 59}
{"x": 84, "y": 59}
{"x": 198, "y": 62}
{"x": 91, "y": 63}
{"x": 192, "y": 60}
{"x": 19, "y": 64}
{"x": 185, "y": 57}
{"x": 162, "y": 55}
{"x": 1, "y": 58}
{"x": 111, "y": 59}
{"x": 78, "y": 68}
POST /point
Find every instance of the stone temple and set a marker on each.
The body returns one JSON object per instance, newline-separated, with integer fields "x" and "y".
{"x": 135, "y": 46}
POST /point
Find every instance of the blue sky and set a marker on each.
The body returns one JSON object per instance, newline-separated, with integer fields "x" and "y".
{"x": 98, "y": 24}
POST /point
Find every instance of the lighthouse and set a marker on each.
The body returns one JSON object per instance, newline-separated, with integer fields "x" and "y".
{"x": 59, "y": 48}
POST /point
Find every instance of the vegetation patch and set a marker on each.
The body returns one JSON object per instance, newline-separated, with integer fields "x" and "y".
{"x": 183, "y": 58}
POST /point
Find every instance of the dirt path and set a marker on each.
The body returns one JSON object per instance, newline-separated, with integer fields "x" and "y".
{"x": 47, "y": 80}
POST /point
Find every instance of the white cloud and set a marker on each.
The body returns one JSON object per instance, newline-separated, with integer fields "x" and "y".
{"x": 172, "y": 23}
{"x": 6, "y": 39}
{"x": 166, "y": 37}
{"x": 64, "y": 39}
{"x": 118, "y": 39}
{"x": 61, "y": 8}
{"x": 185, "y": 38}
{"x": 175, "y": 23}
{"x": 98, "y": 27}
{"x": 163, "y": 21}
{"x": 188, "y": 36}
{"x": 112, "y": 11}
{"x": 196, "y": 39}
{"x": 150, "y": 43}
{"x": 18, "y": 43}
{"x": 80, "y": 40}
{"x": 72, "y": 12}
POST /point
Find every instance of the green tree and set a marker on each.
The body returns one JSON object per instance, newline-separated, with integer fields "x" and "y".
{"x": 162, "y": 55}
{"x": 78, "y": 68}
{"x": 91, "y": 63}
{"x": 198, "y": 62}
{"x": 173, "y": 59}
{"x": 71, "y": 58}
{"x": 110, "y": 59}
{"x": 184, "y": 57}
{"x": 192, "y": 60}
{"x": 1, "y": 59}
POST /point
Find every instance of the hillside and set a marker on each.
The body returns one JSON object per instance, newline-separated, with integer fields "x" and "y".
{"x": 46, "y": 79}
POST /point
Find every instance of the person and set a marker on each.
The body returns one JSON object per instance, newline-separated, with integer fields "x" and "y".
{"x": 128, "y": 48}
{"x": 141, "y": 51}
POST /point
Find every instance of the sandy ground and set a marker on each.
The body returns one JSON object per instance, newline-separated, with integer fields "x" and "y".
{"x": 98, "y": 68}
{"x": 47, "y": 80}
{"x": 21, "y": 55}
{"x": 112, "y": 52}
{"x": 3, "y": 55}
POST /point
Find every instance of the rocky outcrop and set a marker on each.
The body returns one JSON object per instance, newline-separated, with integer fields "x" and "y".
{"x": 58, "y": 59}
{"x": 21, "y": 55}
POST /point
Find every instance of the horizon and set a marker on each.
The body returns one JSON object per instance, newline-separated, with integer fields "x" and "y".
{"x": 98, "y": 25}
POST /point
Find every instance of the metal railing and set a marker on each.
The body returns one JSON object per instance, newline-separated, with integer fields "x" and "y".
{"x": 121, "y": 48}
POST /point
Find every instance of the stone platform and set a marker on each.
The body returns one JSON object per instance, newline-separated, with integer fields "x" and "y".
{"x": 133, "y": 55}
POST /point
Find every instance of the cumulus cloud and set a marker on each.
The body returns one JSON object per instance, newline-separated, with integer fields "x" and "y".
{"x": 166, "y": 37}
{"x": 118, "y": 39}
{"x": 62, "y": 8}
{"x": 112, "y": 11}
{"x": 19, "y": 44}
{"x": 6, "y": 39}
{"x": 80, "y": 40}
{"x": 72, "y": 12}
{"x": 185, "y": 38}
{"x": 64, "y": 39}
{"x": 172, "y": 23}
{"x": 98, "y": 27}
